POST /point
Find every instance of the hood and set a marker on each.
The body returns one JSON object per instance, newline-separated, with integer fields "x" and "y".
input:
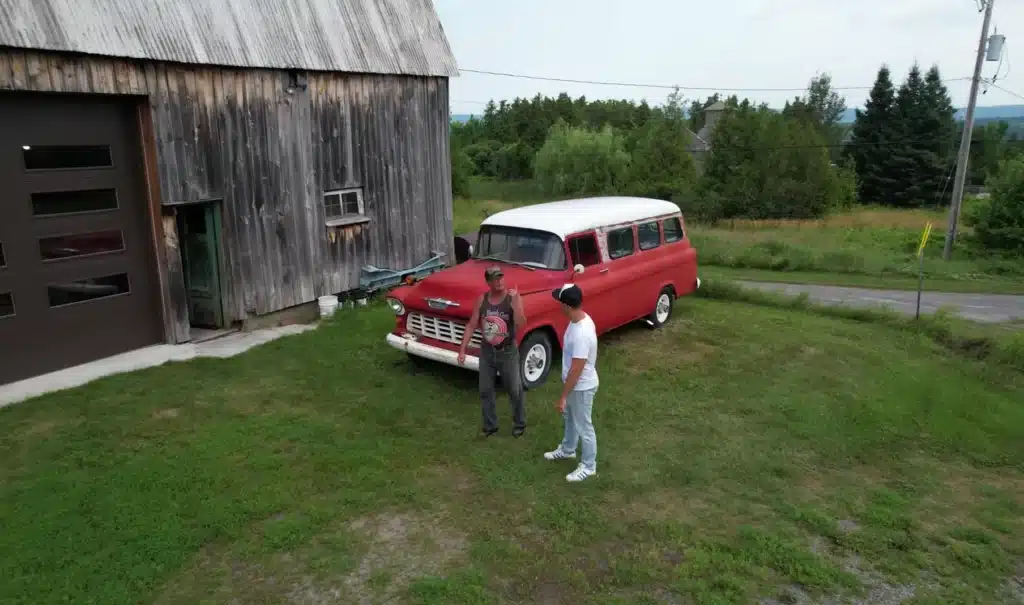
{"x": 463, "y": 283}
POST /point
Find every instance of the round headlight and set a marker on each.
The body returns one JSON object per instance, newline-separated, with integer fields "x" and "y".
{"x": 396, "y": 306}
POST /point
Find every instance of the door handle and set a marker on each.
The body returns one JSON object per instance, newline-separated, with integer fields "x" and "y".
{"x": 605, "y": 270}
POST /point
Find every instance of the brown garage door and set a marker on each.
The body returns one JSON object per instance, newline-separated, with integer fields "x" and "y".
{"x": 77, "y": 279}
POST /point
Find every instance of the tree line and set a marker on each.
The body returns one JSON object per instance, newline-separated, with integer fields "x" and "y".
{"x": 752, "y": 162}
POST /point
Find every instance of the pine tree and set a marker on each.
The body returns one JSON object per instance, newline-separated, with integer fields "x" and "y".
{"x": 942, "y": 129}
{"x": 921, "y": 158}
{"x": 870, "y": 140}
{"x": 909, "y": 156}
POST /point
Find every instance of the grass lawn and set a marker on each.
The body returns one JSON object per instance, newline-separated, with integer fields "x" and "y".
{"x": 867, "y": 247}
{"x": 745, "y": 452}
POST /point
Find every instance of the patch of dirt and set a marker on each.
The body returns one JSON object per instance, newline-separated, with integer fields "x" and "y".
{"x": 668, "y": 505}
{"x": 167, "y": 413}
{"x": 847, "y": 526}
{"x": 447, "y": 477}
{"x": 398, "y": 549}
{"x": 402, "y": 548}
{"x": 40, "y": 429}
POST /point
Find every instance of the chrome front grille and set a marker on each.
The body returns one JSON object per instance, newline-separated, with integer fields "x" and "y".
{"x": 439, "y": 328}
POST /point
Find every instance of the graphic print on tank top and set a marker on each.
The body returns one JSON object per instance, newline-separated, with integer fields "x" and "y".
{"x": 494, "y": 329}
{"x": 496, "y": 323}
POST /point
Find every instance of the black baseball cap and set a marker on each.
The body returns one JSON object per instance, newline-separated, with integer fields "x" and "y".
{"x": 492, "y": 273}
{"x": 569, "y": 294}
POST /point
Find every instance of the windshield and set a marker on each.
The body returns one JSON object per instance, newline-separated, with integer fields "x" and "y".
{"x": 521, "y": 246}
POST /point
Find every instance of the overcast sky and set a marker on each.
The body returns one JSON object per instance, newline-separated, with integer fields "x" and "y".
{"x": 719, "y": 44}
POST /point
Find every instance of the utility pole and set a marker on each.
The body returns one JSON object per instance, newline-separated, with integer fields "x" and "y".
{"x": 965, "y": 141}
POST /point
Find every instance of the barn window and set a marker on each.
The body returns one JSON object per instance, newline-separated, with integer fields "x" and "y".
{"x": 344, "y": 207}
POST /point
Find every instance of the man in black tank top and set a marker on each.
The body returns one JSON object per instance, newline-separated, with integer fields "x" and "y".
{"x": 498, "y": 313}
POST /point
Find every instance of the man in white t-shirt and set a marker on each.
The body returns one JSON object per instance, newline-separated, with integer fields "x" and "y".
{"x": 579, "y": 375}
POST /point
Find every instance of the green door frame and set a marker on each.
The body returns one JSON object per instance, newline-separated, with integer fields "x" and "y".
{"x": 199, "y": 244}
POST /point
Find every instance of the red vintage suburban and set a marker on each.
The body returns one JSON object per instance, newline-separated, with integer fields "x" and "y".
{"x": 630, "y": 256}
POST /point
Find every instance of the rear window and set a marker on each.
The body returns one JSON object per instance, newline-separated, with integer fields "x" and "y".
{"x": 673, "y": 229}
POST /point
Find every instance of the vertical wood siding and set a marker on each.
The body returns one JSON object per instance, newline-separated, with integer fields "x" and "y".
{"x": 240, "y": 137}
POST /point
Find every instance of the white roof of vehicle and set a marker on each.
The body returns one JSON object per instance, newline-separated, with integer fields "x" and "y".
{"x": 573, "y": 216}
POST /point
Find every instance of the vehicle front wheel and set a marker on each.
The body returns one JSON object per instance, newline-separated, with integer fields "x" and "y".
{"x": 535, "y": 357}
{"x": 662, "y": 308}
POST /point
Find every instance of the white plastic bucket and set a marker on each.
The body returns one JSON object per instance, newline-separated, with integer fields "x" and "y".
{"x": 328, "y": 305}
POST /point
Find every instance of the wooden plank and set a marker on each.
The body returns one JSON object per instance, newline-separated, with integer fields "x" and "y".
{"x": 38, "y": 72}
{"x": 6, "y": 76}
{"x": 102, "y": 76}
{"x": 231, "y": 258}
{"x": 76, "y": 75}
{"x": 137, "y": 79}
{"x": 277, "y": 207}
{"x": 164, "y": 237}
{"x": 258, "y": 285}
{"x": 56, "y": 65}
{"x": 309, "y": 230}
{"x": 167, "y": 129}
{"x": 191, "y": 112}
{"x": 210, "y": 132}
{"x": 122, "y": 82}
{"x": 19, "y": 70}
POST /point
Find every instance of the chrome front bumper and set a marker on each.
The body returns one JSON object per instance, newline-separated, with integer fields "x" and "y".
{"x": 409, "y": 344}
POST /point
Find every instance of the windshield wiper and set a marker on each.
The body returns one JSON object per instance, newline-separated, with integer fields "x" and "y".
{"x": 510, "y": 262}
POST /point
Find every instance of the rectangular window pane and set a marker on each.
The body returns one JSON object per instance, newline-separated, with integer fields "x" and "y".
{"x": 351, "y": 202}
{"x": 673, "y": 230}
{"x": 620, "y": 242}
{"x": 87, "y": 289}
{"x": 332, "y": 205}
{"x": 67, "y": 156}
{"x": 649, "y": 236}
{"x": 70, "y": 202}
{"x": 82, "y": 244}
{"x": 584, "y": 251}
{"x": 6, "y": 304}
{"x": 3, "y": 261}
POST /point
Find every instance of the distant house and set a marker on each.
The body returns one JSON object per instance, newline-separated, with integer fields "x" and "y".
{"x": 170, "y": 166}
{"x": 700, "y": 141}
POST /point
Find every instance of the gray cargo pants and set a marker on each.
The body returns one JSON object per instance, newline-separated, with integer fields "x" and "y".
{"x": 507, "y": 362}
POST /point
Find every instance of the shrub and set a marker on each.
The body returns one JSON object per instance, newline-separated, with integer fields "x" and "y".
{"x": 662, "y": 165}
{"x": 462, "y": 172}
{"x": 482, "y": 155}
{"x": 999, "y": 220}
{"x": 576, "y": 161}
{"x": 512, "y": 162}
{"x": 765, "y": 166}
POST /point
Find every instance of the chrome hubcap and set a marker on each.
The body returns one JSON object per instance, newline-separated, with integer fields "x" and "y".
{"x": 662, "y": 309}
{"x": 535, "y": 362}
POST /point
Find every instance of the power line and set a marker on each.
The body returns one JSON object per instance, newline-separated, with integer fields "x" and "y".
{"x": 1009, "y": 92}
{"x": 660, "y": 86}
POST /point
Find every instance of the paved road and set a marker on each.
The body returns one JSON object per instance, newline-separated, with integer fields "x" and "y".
{"x": 989, "y": 308}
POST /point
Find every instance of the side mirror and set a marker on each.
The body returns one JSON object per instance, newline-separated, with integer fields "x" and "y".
{"x": 578, "y": 269}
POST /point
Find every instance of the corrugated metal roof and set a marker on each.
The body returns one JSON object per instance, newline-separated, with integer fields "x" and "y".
{"x": 363, "y": 36}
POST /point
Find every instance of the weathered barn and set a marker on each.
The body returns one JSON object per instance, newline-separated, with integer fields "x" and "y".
{"x": 172, "y": 164}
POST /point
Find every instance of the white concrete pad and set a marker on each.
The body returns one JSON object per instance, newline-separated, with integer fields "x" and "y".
{"x": 147, "y": 357}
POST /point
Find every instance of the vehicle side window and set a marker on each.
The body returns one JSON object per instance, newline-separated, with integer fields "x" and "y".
{"x": 620, "y": 242}
{"x": 584, "y": 251}
{"x": 673, "y": 229}
{"x": 649, "y": 235}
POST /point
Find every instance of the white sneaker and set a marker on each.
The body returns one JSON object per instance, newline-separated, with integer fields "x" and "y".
{"x": 580, "y": 474}
{"x": 558, "y": 454}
